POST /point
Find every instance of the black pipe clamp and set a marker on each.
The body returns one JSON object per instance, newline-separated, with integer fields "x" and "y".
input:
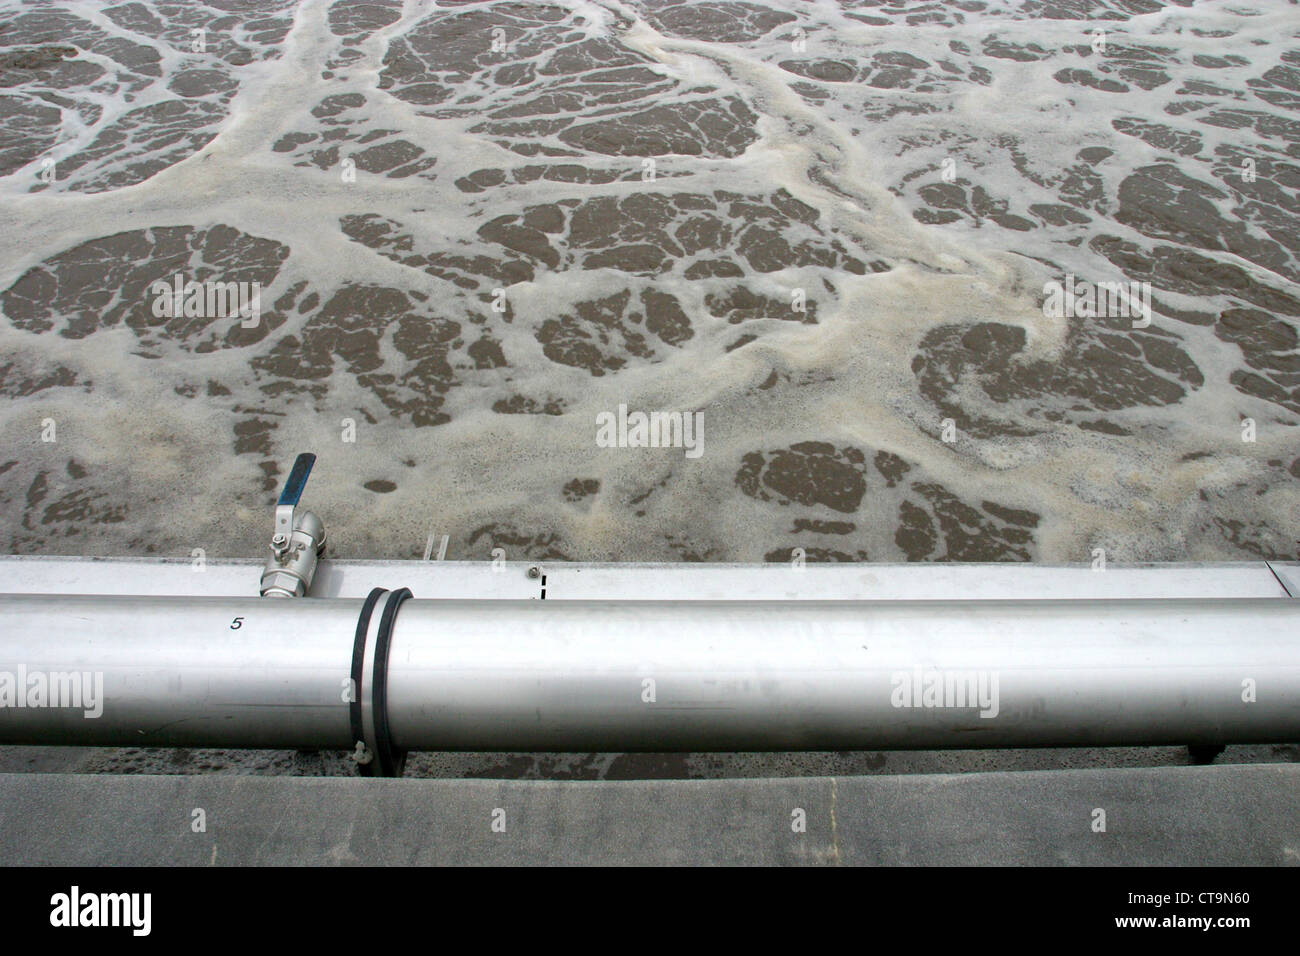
{"x": 373, "y": 748}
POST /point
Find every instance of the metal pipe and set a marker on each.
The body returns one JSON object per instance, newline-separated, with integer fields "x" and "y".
{"x": 223, "y": 672}
{"x": 600, "y": 675}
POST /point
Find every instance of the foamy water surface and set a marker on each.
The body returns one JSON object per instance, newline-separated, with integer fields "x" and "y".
{"x": 826, "y": 227}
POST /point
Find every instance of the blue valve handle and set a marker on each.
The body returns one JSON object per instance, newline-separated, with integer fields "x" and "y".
{"x": 297, "y": 480}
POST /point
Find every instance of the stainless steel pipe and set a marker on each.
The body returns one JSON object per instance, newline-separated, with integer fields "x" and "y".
{"x": 649, "y": 675}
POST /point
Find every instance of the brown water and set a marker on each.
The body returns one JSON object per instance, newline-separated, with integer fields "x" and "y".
{"x": 827, "y": 228}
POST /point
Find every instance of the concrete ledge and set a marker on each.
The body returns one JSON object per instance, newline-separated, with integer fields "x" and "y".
{"x": 1224, "y": 816}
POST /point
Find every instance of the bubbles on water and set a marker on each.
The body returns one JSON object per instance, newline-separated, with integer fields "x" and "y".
{"x": 852, "y": 216}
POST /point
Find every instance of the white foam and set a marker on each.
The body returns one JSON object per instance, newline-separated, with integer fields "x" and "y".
{"x": 171, "y": 459}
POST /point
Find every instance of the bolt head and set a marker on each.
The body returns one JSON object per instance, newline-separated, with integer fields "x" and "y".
{"x": 534, "y": 572}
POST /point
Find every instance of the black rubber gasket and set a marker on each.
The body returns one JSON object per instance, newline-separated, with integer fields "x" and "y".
{"x": 358, "y": 661}
{"x": 391, "y": 762}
